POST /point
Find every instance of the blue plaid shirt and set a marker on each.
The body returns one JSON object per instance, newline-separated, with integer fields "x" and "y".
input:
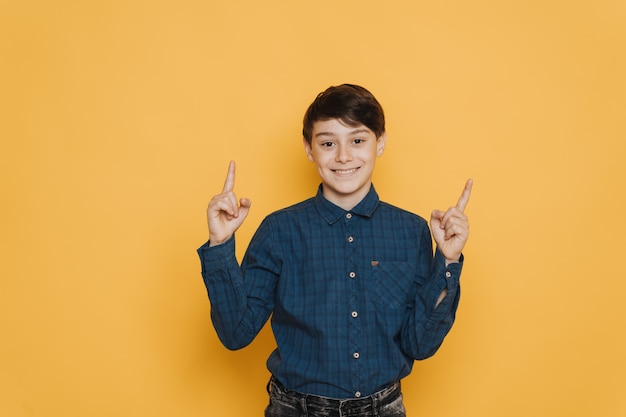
{"x": 352, "y": 294}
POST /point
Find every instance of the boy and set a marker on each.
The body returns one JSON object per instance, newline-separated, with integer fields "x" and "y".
{"x": 351, "y": 283}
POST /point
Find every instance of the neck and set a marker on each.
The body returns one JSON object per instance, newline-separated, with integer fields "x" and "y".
{"x": 346, "y": 202}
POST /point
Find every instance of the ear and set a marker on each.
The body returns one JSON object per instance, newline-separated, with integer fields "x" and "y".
{"x": 307, "y": 149}
{"x": 380, "y": 147}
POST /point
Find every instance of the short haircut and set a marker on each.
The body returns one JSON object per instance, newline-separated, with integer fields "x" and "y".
{"x": 351, "y": 104}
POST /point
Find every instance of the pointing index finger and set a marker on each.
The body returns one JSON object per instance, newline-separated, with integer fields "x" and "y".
{"x": 229, "y": 184}
{"x": 465, "y": 195}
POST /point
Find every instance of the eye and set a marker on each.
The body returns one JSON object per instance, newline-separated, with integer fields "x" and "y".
{"x": 326, "y": 144}
{"x": 359, "y": 140}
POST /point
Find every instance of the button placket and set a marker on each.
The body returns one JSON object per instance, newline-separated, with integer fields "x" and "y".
{"x": 350, "y": 223}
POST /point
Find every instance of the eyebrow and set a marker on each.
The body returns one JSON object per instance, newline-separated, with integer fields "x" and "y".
{"x": 352, "y": 132}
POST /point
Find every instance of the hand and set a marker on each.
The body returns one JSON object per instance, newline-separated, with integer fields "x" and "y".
{"x": 450, "y": 228}
{"x": 225, "y": 214}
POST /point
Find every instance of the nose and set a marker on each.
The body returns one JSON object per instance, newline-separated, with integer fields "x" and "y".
{"x": 343, "y": 154}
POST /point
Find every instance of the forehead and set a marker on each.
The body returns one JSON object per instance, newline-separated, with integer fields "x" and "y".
{"x": 336, "y": 127}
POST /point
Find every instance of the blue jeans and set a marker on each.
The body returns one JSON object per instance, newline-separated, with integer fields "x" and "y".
{"x": 285, "y": 403}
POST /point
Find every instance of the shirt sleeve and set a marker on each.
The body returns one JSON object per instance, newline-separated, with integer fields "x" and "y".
{"x": 427, "y": 324}
{"x": 242, "y": 297}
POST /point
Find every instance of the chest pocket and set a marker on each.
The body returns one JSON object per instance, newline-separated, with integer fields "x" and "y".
{"x": 393, "y": 283}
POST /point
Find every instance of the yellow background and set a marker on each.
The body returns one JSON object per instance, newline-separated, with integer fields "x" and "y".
{"x": 118, "y": 119}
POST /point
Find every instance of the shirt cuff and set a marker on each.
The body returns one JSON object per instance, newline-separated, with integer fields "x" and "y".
{"x": 451, "y": 274}
{"x": 216, "y": 257}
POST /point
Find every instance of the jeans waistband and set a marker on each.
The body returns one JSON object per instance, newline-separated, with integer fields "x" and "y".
{"x": 345, "y": 406}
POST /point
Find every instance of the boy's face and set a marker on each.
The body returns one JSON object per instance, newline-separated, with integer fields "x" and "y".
{"x": 345, "y": 157}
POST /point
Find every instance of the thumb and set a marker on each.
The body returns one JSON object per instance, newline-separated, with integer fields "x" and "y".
{"x": 436, "y": 217}
{"x": 438, "y": 214}
{"x": 244, "y": 206}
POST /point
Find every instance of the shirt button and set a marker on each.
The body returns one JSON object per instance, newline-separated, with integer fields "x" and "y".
{"x": 357, "y": 394}
{"x": 448, "y": 274}
{"x": 350, "y": 239}
{"x": 352, "y": 275}
{"x": 355, "y": 314}
{"x": 356, "y": 355}
{"x": 349, "y": 216}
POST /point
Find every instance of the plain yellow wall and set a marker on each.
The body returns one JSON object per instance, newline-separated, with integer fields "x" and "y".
{"x": 118, "y": 119}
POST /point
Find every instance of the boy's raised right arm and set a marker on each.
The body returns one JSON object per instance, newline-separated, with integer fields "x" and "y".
{"x": 236, "y": 319}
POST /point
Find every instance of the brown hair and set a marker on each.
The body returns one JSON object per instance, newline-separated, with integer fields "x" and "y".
{"x": 352, "y": 104}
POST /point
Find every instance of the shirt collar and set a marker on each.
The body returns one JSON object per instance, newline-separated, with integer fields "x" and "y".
{"x": 331, "y": 212}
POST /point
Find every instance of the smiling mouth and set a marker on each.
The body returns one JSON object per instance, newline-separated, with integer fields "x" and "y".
{"x": 344, "y": 171}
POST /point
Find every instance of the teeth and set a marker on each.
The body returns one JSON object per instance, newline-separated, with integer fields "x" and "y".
{"x": 345, "y": 171}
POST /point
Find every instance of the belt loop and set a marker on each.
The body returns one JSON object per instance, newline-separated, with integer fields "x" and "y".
{"x": 375, "y": 403}
{"x": 303, "y": 403}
